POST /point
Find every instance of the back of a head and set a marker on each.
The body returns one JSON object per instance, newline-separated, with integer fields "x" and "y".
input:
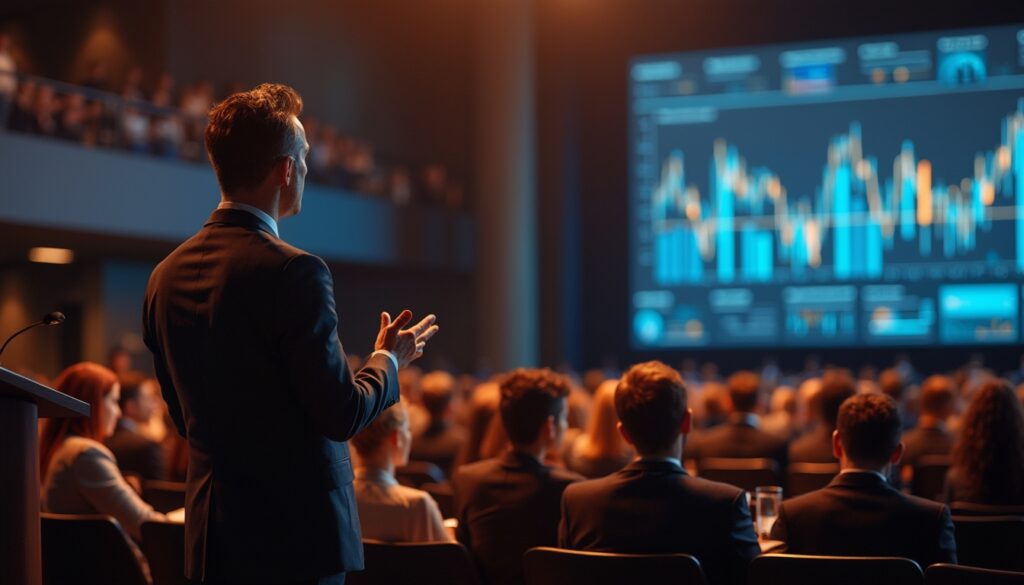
{"x": 437, "y": 390}
{"x": 744, "y": 391}
{"x": 131, "y": 386}
{"x": 528, "y": 398}
{"x": 836, "y": 387}
{"x": 892, "y": 384}
{"x": 989, "y": 455}
{"x": 937, "y": 396}
{"x": 869, "y": 428}
{"x": 373, "y": 437}
{"x": 651, "y": 403}
{"x": 603, "y": 438}
{"x": 249, "y": 131}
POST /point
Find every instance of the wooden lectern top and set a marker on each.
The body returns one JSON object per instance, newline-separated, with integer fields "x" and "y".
{"x": 51, "y": 403}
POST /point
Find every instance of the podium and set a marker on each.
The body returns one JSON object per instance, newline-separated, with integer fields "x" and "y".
{"x": 22, "y": 403}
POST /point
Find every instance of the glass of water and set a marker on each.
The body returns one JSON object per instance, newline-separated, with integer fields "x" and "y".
{"x": 767, "y": 498}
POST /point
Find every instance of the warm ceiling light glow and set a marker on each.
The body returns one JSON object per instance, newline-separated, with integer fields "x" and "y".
{"x": 51, "y": 255}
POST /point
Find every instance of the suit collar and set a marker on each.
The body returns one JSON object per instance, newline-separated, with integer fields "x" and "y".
{"x": 237, "y": 217}
{"x": 513, "y": 459}
{"x": 655, "y": 466}
{"x": 859, "y": 480}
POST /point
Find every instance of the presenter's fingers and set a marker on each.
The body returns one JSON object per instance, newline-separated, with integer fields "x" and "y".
{"x": 419, "y": 348}
{"x": 402, "y": 319}
{"x": 422, "y": 326}
{"x": 426, "y": 335}
{"x": 385, "y": 320}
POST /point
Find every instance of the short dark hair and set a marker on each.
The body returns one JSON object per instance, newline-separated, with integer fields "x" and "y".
{"x": 869, "y": 428}
{"x": 528, "y": 398}
{"x": 131, "y": 386}
{"x": 937, "y": 395}
{"x": 744, "y": 391}
{"x": 651, "y": 403}
{"x": 836, "y": 387}
{"x": 891, "y": 382}
{"x": 437, "y": 390}
{"x": 249, "y": 131}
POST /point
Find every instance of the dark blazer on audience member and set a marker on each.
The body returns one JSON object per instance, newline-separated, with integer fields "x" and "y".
{"x": 859, "y": 514}
{"x": 506, "y": 506}
{"x": 243, "y": 330}
{"x": 740, "y": 437}
{"x": 814, "y": 447}
{"x": 655, "y": 507}
{"x": 135, "y": 452}
{"x": 440, "y": 445}
{"x": 921, "y": 441}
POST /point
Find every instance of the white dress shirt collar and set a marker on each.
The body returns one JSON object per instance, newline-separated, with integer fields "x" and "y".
{"x": 253, "y": 210}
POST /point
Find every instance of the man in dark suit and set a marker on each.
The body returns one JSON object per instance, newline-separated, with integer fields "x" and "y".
{"x": 653, "y": 505}
{"x": 243, "y": 331}
{"x": 135, "y": 452}
{"x": 930, "y": 436}
{"x": 816, "y": 446}
{"x": 859, "y": 513}
{"x": 510, "y": 504}
{"x": 741, "y": 436}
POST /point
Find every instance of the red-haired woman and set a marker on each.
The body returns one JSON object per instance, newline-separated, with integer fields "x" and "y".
{"x": 80, "y": 475}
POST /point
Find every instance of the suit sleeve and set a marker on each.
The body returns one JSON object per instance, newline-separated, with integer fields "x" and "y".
{"x": 947, "y": 540}
{"x": 99, "y": 481}
{"x": 339, "y": 403}
{"x": 563, "y": 526}
{"x": 167, "y": 390}
{"x": 743, "y": 545}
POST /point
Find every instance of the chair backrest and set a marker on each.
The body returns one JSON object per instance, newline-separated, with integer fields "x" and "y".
{"x": 164, "y": 496}
{"x": 746, "y": 473}
{"x": 416, "y": 473}
{"x": 433, "y": 563}
{"x": 944, "y": 574}
{"x": 805, "y": 477}
{"x": 87, "y": 548}
{"x": 443, "y": 495}
{"x": 555, "y": 566}
{"x": 930, "y": 476}
{"x": 772, "y": 569}
{"x": 163, "y": 543}
{"x": 992, "y": 542}
{"x": 972, "y": 509}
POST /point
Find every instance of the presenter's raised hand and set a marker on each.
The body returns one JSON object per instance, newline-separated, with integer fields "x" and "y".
{"x": 405, "y": 344}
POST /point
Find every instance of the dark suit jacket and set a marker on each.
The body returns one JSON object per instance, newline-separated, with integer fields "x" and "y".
{"x": 814, "y": 447}
{"x": 440, "y": 445}
{"x": 243, "y": 331}
{"x": 136, "y": 453}
{"x": 506, "y": 506}
{"x": 655, "y": 507}
{"x": 859, "y": 514}
{"x": 920, "y": 441}
{"x": 739, "y": 439}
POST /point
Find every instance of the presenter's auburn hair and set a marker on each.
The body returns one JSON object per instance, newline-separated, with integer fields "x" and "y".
{"x": 249, "y": 131}
{"x": 88, "y": 382}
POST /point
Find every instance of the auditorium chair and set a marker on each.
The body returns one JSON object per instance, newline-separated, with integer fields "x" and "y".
{"x": 930, "y": 476}
{"x": 945, "y": 574}
{"x": 163, "y": 543}
{"x": 433, "y": 563}
{"x": 416, "y": 473}
{"x": 805, "y": 477}
{"x": 972, "y": 509}
{"x": 741, "y": 472}
{"x": 164, "y": 496}
{"x": 555, "y": 566}
{"x": 444, "y": 496}
{"x": 991, "y": 542}
{"x": 776, "y": 569}
{"x": 87, "y": 548}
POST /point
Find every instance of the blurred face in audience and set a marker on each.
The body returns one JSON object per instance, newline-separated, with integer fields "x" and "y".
{"x": 145, "y": 405}
{"x": 110, "y": 411}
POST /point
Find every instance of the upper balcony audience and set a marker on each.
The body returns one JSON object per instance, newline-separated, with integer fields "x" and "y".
{"x": 389, "y": 511}
{"x": 441, "y": 441}
{"x": 512, "y": 503}
{"x": 859, "y": 513}
{"x": 816, "y": 445}
{"x": 988, "y": 459}
{"x": 79, "y": 474}
{"x": 600, "y": 449}
{"x": 653, "y": 505}
{"x": 136, "y": 452}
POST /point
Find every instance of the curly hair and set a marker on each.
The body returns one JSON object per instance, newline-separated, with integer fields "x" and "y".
{"x": 528, "y": 398}
{"x": 988, "y": 459}
{"x": 249, "y": 131}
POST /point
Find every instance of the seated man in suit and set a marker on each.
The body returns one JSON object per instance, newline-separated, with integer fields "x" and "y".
{"x": 930, "y": 436}
{"x": 440, "y": 442}
{"x": 510, "y": 504}
{"x": 652, "y": 505}
{"x": 135, "y": 452}
{"x": 859, "y": 513}
{"x": 741, "y": 435}
{"x": 816, "y": 446}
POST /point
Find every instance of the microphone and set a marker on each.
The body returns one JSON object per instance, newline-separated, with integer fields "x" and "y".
{"x": 54, "y": 318}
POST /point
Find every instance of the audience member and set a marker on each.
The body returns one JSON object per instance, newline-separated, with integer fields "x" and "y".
{"x": 482, "y": 407}
{"x": 599, "y": 450}
{"x": 816, "y": 446}
{"x": 79, "y": 474}
{"x": 653, "y": 505}
{"x": 135, "y": 452}
{"x": 930, "y": 436}
{"x": 892, "y": 383}
{"x": 988, "y": 458}
{"x": 859, "y": 513}
{"x": 388, "y": 511}
{"x": 441, "y": 441}
{"x": 510, "y": 504}
{"x": 781, "y": 418}
{"x": 8, "y": 78}
{"x": 22, "y": 116}
{"x": 741, "y": 435}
